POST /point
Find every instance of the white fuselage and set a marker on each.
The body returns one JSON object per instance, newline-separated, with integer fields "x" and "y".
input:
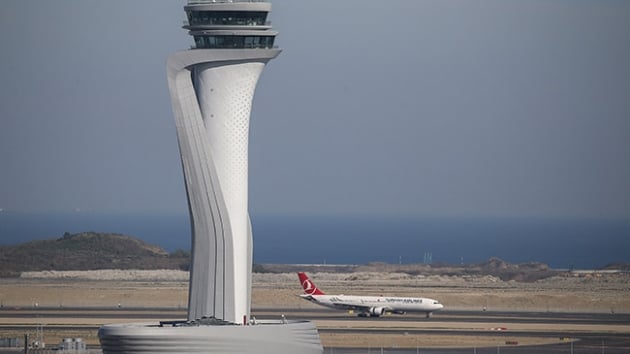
{"x": 376, "y": 305}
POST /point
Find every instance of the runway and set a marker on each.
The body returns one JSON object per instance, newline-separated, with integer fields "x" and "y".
{"x": 321, "y": 314}
{"x": 572, "y": 332}
{"x": 585, "y": 332}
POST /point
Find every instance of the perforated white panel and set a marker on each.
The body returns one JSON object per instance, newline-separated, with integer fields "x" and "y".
{"x": 225, "y": 96}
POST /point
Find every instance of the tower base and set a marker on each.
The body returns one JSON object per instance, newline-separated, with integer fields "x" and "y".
{"x": 267, "y": 336}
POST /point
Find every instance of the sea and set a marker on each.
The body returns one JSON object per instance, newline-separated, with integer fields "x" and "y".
{"x": 291, "y": 239}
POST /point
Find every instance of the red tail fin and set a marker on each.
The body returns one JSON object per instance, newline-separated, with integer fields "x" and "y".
{"x": 307, "y": 284}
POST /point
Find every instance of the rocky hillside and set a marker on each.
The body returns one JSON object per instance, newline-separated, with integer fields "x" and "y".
{"x": 88, "y": 251}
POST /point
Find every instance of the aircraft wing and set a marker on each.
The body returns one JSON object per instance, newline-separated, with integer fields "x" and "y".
{"x": 338, "y": 303}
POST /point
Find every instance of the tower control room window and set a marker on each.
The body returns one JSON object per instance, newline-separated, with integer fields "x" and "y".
{"x": 226, "y": 18}
{"x": 225, "y": 42}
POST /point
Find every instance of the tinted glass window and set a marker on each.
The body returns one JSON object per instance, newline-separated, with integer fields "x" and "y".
{"x": 234, "y": 41}
{"x": 233, "y": 18}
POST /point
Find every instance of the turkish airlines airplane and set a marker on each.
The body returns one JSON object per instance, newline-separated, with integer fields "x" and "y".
{"x": 368, "y": 306}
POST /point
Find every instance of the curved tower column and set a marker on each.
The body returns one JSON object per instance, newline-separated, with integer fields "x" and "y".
{"x": 212, "y": 88}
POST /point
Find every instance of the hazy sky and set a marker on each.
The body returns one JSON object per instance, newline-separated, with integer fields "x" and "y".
{"x": 423, "y": 108}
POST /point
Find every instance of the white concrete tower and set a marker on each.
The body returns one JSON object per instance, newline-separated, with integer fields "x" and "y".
{"x": 212, "y": 86}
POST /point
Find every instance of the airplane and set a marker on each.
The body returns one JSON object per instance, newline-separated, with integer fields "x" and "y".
{"x": 367, "y": 306}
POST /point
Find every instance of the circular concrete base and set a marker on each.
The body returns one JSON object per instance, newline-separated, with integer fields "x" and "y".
{"x": 278, "y": 337}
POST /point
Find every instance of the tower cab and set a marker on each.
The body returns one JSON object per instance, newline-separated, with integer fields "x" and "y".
{"x": 229, "y": 24}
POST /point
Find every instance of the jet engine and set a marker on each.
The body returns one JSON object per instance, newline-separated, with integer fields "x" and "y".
{"x": 377, "y": 311}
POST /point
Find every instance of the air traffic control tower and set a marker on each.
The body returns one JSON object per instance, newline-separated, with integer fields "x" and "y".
{"x": 212, "y": 87}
